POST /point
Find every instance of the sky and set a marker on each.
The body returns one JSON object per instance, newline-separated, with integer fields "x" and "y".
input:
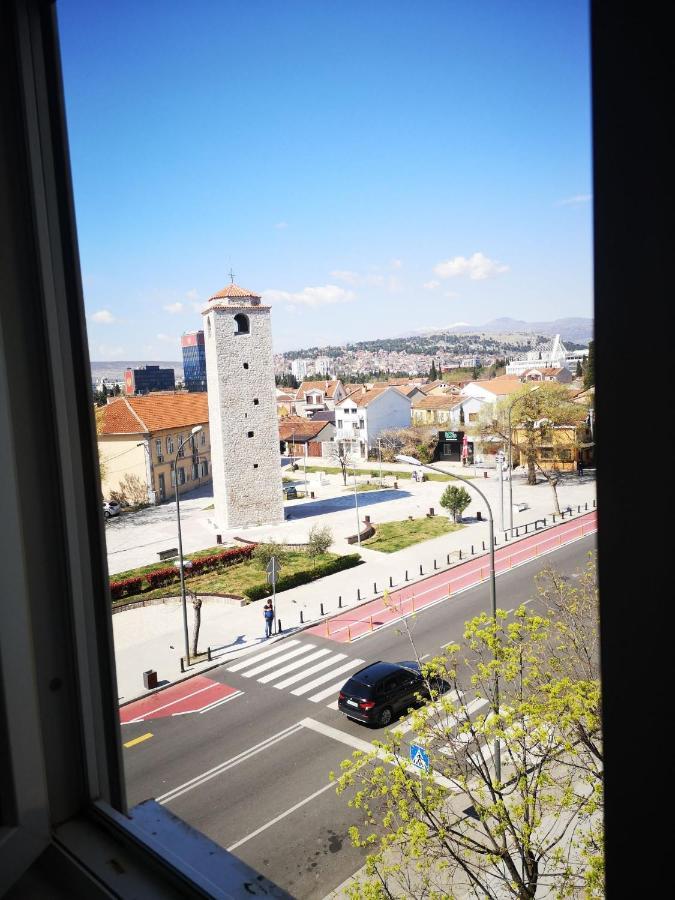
{"x": 370, "y": 168}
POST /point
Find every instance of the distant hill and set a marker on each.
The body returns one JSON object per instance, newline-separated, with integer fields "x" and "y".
{"x": 114, "y": 369}
{"x": 576, "y": 330}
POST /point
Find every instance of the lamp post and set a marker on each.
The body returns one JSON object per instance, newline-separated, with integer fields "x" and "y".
{"x": 493, "y": 585}
{"x": 194, "y": 431}
{"x": 510, "y": 461}
{"x": 356, "y": 506}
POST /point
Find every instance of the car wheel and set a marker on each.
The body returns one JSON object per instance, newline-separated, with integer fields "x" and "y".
{"x": 385, "y": 717}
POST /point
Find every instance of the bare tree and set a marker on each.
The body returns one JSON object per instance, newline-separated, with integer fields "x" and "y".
{"x": 196, "y": 621}
{"x": 337, "y": 452}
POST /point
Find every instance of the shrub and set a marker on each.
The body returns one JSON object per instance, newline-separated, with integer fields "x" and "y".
{"x": 286, "y": 582}
{"x": 160, "y": 577}
{"x": 125, "y": 587}
{"x": 264, "y": 552}
{"x": 320, "y": 539}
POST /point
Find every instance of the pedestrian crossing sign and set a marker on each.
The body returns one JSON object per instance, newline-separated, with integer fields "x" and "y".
{"x": 419, "y": 757}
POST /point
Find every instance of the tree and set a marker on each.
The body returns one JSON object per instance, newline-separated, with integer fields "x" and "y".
{"x": 432, "y": 371}
{"x": 579, "y": 370}
{"x": 535, "y": 414}
{"x": 337, "y": 452}
{"x": 133, "y": 489}
{"x": 263, "y": 553}
{"x": 462, "y": 419}
{"x": 455, "y": 500}
{"x": 196, "y": 621}
{"x": 458, "y": 830}
{"x": 319, "y": 541}
{"x": 589, "y": 374}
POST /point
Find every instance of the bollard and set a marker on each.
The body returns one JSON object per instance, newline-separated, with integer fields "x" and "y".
{"x": 563, "y": 515}
{"x": 340, "y": 602}
{"x": 219, "y": 539}
{"x": 506, "y": 536}
{"x": 544, "y": 521}
{"x": 391, "y": 581}
{"x": 321, "y": 607}
{"x": 279, "y": 628}
{"x": 447, "y": 558}
{"x": 495, "y": 540}
{"x": 586, "y": 505}
{"x": 420, "y": 569}
{"x": 483, "y": 545}
{"x": 484, "y": 474}
{"x": 358, "y": 594}
{"x": 472, "y": 550}
{"x": 460, "y": 553}
{"x": 301, "y": 618}
{"x": 517, "y": 533}
{"x": 311, "y": 495}
{"x": 578, "y": 509}
{"x": 479, "y": 516}
{"x": 208, "y": 654}
{"x": 374, "y": 587}
{"x": 406, "y": 574}
{"x": 435, "y": 566}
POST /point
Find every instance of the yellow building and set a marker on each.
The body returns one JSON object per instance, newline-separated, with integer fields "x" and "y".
{"x": 139, "y": 440}
{"x": 433, "y": 410}
{"x": 561, "y": 447}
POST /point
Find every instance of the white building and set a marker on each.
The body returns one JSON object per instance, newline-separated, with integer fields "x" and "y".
{"x": 242, "y": 410}
{"x": 361, "y": 417}
{"x": 316, "y": 396}
{"x": 299, "y": 369}
{"x": 553, "y": 355}
{"x": 323, "y": 366}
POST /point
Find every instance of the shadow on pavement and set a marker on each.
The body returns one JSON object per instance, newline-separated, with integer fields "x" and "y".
{"x": 337, "y": 504}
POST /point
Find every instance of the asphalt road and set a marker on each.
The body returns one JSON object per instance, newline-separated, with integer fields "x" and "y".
{"x": 252, "y": 772}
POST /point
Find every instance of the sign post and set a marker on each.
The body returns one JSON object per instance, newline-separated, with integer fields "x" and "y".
{"x": 272, "y": 575}
{"x": 420, "y": 759}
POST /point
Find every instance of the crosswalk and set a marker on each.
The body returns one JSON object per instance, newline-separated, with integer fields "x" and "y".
{"x": 291, "y": 665}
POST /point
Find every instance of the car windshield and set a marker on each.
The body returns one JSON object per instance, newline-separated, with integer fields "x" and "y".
{"x": 357, "y": 688}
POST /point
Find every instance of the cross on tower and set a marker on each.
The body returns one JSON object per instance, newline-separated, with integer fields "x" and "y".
{"x": 231, "y": 274}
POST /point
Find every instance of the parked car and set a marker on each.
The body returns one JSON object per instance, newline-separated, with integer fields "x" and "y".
{"x": 111, "y": 508}
{"x": 381, "y": 691}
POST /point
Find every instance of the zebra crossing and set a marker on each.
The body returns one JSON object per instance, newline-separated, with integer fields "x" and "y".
{"x": 291, "y": 665}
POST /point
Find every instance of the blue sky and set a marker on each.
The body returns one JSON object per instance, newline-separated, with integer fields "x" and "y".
{"x": 370, "y": 168}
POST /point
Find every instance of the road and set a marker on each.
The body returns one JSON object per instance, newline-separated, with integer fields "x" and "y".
{"x": 251, "y": 769}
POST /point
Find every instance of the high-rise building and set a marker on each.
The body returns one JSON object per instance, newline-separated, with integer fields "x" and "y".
{"x": 149, "y": 378}
{"x": 194, "y": 360}
{"x": 299, "y": 369}
{"x": 242, "y": 410}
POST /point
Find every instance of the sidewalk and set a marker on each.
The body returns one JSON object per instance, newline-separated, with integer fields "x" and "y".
{"x": 152, "y": 637}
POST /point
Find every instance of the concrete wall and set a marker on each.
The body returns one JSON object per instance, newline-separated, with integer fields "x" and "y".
{"x": 246, "y": 470}
{"x": 389, "y": 410}
{"x": 120, "y": 457}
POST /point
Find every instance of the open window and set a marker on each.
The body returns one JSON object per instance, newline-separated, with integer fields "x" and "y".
{"x": 242, "y": 323}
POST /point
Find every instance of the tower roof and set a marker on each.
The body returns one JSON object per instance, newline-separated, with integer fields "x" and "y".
{"x": 234, "y": 292}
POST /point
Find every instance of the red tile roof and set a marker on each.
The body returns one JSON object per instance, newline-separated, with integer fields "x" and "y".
{"x": 302, "y": 431}
{"x": 435, "y": 402}
{"x": 326, "y": 387}
{"x": 157, "y": 411}
{"x": 233, "y": 290}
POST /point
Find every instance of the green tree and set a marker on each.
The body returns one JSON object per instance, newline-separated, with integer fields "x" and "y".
{"x": 455, "y": 500}
{"x": 462, "y": 419}
{"x": 458, "y": 829}
{"x": 263, "y": 553}
{"x": 589, "y": 373}
{"x": 579, "y": 372}
{"x": 432, "y": 371}
{"x": 319, "y": 541}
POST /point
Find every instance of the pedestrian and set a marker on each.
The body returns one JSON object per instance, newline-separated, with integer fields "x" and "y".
{"x": 268, "y": 613}
{"x": 580, "y": 468}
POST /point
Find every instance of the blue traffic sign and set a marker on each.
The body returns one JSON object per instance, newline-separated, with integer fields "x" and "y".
{"x": 419, "y": 757}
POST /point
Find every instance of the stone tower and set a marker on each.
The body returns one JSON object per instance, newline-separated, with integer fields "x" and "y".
{"x": 243, "y": 425}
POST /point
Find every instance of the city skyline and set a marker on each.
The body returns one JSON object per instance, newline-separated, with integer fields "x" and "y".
{"x": 368, "y": 170}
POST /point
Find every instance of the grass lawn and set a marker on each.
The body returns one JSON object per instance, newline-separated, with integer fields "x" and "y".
{"x": 331, "y": 470}
{"x": 168, "y": 563}
{"x": 231, "y": 580}
{"x": 393, "y": 536}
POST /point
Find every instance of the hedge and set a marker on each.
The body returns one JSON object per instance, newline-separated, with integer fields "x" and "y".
{"x": 297, "y": 578}
{"x": 125, "y": 587}
{"x": 160, "y": 577}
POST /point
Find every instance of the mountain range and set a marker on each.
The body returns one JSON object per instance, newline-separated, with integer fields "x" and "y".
{"x": 575, "y": 329}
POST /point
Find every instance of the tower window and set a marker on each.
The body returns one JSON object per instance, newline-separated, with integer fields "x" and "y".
{"x": 250, "y": 434}
{"x": 242, "y": 323}
{"x": 255, "y": 401}
{"x": 255, "y": 465}
{"x": 246, "y": 365}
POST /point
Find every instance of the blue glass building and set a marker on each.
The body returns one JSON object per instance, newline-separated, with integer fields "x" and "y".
{"x": 194, "y": 360}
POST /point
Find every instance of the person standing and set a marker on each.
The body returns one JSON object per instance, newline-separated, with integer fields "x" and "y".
{"x": 268, "y": 613}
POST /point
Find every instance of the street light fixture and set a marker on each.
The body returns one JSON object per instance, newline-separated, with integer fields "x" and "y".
{"x": 493, "y": 586}
{"x": 356, "y": 506}
{"x": 182, "y": 565}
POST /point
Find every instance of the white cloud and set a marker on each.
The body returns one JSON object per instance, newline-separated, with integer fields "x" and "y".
{"x": 576, "y": 200}
{"x": 174, "y": 308}
{"x": 396, "y": 263}
{"x": 477, "y": 267}
{"x": 103, "y": 317}
{"x": 431, "y": 285}
{"x": 311, "y": 296}
{"x": 281, "y": 225}
{"x": 167, "y": 338}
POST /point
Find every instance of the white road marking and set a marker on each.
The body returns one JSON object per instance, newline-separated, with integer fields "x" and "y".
{"x": 263, "y": 667}
{"x": 306, "y": 688}
{"x": 173, "y": 702}
{"x": 284, "y": 645}
{"x": 278, "y": 818}
{"x": 333, "y": 705}
{"x": 220, "y": 702}
{"x": 312, "y": 669}
{"x": 198, "y": 780}
{"x": 333, "y": 689}
{"x": 291, "y": 667}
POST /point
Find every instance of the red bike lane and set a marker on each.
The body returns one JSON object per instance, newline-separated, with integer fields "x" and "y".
{"x": 369, "y": 617}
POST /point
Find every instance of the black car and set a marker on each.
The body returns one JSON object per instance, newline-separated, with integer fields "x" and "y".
{"x": 376, "y": 694}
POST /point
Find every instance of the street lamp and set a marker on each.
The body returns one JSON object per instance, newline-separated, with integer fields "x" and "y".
{"x": 493, "y": 586}
{"x": 181, "y": 565}
{"x": 356, "y": 506}
{"x": 511, "y": 405}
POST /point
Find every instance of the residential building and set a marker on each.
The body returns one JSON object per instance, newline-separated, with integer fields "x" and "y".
{"x": 299, "y": 369}
{"x": 560, "y": 375}
{"x": 305, "y": 437}
{"x": 148, "y": 378}
{"x": 451, "y": 410}
{"x": 562, "y": 447}
{"x": 323, "y": 366}
{"x": 361, "y": 418}
{"x": 552, "y": 355}
{"x": 247, "y": 486}
{"x": 492, "y": 389}
{"x": 194, "y": 360}
{"x": 285, "y": 401}
{"x": 313, "y": 396}
{"x": 139, "y": 440}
